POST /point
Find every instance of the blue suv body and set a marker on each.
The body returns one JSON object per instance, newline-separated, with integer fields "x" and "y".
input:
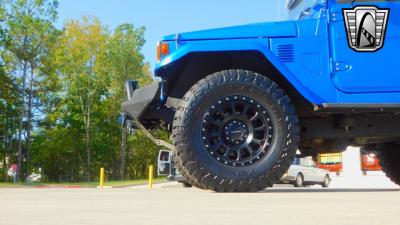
{"x": 336, "y": 62}
{"x": 312, "y": 54}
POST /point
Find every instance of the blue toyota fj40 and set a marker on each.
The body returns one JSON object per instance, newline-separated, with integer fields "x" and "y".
{"x": 240, "y": 101}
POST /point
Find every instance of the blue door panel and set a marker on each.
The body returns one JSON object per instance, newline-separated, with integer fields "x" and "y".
{"x": 366, "y": 72}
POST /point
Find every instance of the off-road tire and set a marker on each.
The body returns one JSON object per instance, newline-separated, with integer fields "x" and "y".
{"x": 192, "y": 158}
{"x": 186, "y": 184}
{"x": 188, "y": 178}
{"x": 390, "y": 162}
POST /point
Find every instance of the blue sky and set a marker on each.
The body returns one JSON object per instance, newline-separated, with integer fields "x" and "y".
{"x": 162, "y": 17}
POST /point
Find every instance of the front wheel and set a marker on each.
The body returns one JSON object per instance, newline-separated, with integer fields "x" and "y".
{"x": 236, "y": 131}
{"x": 327, "y": 182}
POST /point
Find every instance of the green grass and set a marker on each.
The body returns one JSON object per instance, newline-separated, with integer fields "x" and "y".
{"x": 86, "y": 184}
{"x": 5, "y": 185}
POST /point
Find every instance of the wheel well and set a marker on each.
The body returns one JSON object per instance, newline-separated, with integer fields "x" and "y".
{"x": 197, "y": 66}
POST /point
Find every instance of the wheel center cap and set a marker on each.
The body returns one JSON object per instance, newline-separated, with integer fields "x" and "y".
{"x": 236, "y": 132}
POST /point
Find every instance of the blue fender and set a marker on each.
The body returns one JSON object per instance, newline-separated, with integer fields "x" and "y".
{"x": 253, "y": 44}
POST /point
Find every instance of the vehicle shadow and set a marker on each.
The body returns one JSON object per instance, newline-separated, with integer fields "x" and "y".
{"x": 328, "y": 190}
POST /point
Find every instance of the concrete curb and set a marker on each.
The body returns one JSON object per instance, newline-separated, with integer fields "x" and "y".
{"x": 61, "y": 187}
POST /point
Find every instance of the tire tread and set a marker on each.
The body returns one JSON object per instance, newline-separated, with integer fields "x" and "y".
{"x": 200, "y": 177}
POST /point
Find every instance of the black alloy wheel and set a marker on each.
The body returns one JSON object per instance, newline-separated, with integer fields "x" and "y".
{"x": 237, "y": 131}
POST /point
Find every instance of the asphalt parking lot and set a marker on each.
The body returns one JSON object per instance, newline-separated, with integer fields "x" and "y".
{"x": 171, "y": 204}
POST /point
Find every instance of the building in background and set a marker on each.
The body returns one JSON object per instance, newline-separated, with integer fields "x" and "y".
{"x": 334, "y": 162}
{"x": 369, "y": 162}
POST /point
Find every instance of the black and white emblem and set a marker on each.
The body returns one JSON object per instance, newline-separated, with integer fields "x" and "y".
{"x": 366, "y": 27}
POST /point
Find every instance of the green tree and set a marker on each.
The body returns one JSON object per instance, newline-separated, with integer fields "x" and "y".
{"x": 126, "y": 62}
{"x": 2, "y": 26}
{"x": 29, "y": 34}
{"x": 61, "y": 94}
{"x": 83, "y": 67}
{"x": 8, "y": 109}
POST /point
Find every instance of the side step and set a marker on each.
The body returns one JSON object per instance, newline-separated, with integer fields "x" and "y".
{"x": 357, "y": 107}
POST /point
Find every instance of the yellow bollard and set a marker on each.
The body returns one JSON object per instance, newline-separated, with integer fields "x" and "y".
{"x": 151, "y": 177}
{"x": 101, "y": 177}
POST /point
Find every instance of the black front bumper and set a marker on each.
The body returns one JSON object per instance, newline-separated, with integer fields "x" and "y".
{"x": 142, "y": 105}
{"x": 139, "y": 100}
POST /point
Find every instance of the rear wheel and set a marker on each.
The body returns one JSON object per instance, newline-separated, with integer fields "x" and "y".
{"x": 236, "y": 131}
{"x": 390, "y": 161}
{"x": 299, "y": 182}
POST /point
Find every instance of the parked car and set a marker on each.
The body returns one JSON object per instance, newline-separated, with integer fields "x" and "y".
{"x": 238, "y": 102}
{"x": 304, "y": 171}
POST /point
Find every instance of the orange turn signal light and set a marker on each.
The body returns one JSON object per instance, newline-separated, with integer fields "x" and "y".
{"x": 162, "y": 50}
